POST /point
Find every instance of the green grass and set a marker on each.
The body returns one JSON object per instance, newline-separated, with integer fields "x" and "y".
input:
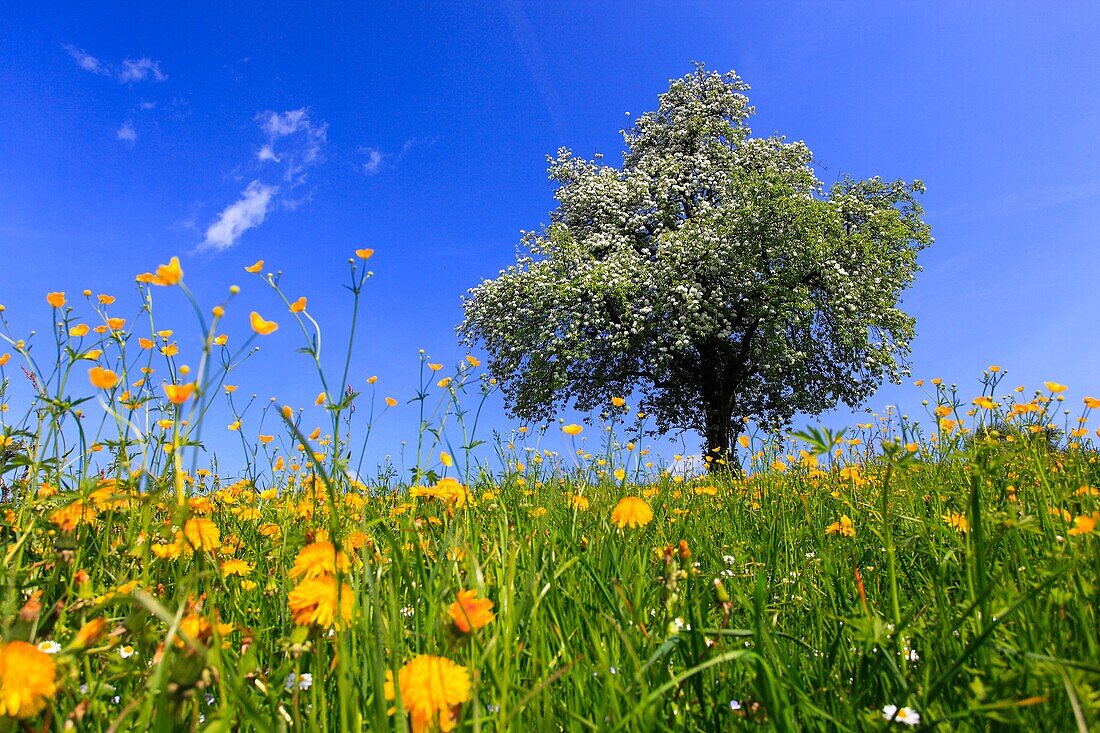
{"x": 968, "y": 592}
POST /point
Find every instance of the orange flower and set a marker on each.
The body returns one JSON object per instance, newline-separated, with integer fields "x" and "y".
{"x": 256, "y": 267}
{"x": 631, "y": 511}
{"x": 432, "y": 688}
{"x": 202, "y": 534}
{"x": 470, "y": 612}
{"x": 364, "y": 254}
{"x": 314, "y": 601}
{"x": 179, "y": 393}
{"x": 57, "y": 300}
{"x": 316, "y": 559}
{"x": 27, "y": 679}
{"x": 102, "y": 378}
{"x": 299, "y": 305}
{"x": 1084, "y": 524}
{"x": 260, "y": 326}
{"x": 169, "y": 274}
{"x": 90, "y": 633}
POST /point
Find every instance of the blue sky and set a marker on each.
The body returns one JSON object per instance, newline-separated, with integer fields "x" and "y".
{"x": 228, "y": 132}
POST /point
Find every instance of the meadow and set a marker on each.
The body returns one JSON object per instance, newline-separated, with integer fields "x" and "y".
{"x": 936, "y": 572}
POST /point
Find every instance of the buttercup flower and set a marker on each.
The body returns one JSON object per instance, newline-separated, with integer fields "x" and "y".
{"x": 102, "y": 378}
{"x": 179, "y": 393}
{"x": 169, "y": 274}
{"x": 260, "y": 326}
{"x": 57, "y": 300}
{"x": 255, "y": 267}
{"x": 572, "y": 429}
{"x": 365, "y": 253}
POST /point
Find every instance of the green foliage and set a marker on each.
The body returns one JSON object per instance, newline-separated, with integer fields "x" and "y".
{"x": 712, "y": 272}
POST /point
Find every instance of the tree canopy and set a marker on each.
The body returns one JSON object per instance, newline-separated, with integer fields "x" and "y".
{"x": 711, "y": 274}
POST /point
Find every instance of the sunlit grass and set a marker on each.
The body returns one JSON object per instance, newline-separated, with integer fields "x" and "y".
{"x": 942, "y": 568}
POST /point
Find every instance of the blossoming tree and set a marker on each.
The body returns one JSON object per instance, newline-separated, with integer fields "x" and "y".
{"x": 712, "y": 273}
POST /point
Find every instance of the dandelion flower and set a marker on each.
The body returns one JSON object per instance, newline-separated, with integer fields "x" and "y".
{"x": 316, "y": 559}
{"x": 260, "y": 326}
{"x": 445, "y": 459}
{"x": 432, "y": 688}
{"x": 27, "y": 679}
{"x": 202, "y": 534}
{"x": 843, "y": 527}
{"x": 631, "y": 512}
{"x": 470, "y": 612}
{"x": 233, "y": 566}
{"x": 314, "y": 602}
{"x": 958, "y": 521}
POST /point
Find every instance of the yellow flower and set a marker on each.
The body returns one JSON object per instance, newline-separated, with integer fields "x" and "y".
{"x": 432, "y": 688}
{"x": 27, "y": 679}
{"x": 985, "y": 403}
{"x": 255, "y": 267}
{"x": 620, "y": 474}
{"x": 106, "y": 299}
{"x": 618, "y": 401}
{"x": 444, "y": 383}
{"x": 102, "y": 378}
{"x": 435, "y": 367}
{"x": 470, "y": 612}
{"x": 579, "y": 503}
{"x": 260, "y": 326}
{"x": 233, "y": 566}
{"x": 958, "y": 521}
{"x": 79, "y": 330}
{"x": 4, "y": 359}
{"x": 179, "y": 393}
{"x": 843, "y": 527}
{"x": 631, "y": 511}
{"x": 391, "y": 402}
{"x": 202, "y": 534}
{"x": 316, "y": 559}
{"x": 221, "y": 339}
{"x": 116, "y": 324}
{"x": 314, "y": 601}
{"x": 445, "y": 459}
{"x": 235, "y": 425}
{"x": 169, "y": 274}
{"x": 372, "y": 379}
{"x": 57, "y": 300}
{"x": 90, "y": 633}
{"x": 265, "y": 439}
{"x": 1055, "y": 387}
{"x": 299, "y": 305}
{"x": 572, "y": 429}
{"x": 1084, "y": 524}
{"x": 364, "y": 254}
{"x": 1092, "y": 402}
{"x": 145, "y": 343}
{"x": 473, "y": 361}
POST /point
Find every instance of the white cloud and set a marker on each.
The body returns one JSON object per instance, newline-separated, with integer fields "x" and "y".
{"x": 126, "y": 132}
{"x": 87, "y": 61}
{"x": 301, "y": 139}
{"x": 128, "y": 72}
{"x": 237, "y": 218}
{"x": 267, "y": 153}
{"x": 374, "y": 161}
{"x": 133, "y": 70}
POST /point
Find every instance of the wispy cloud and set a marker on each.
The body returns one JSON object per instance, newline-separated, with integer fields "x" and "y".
{"x": 293, "y": 143}
{"x": 377, "y": 160}
{"x": 374, "y": 161}
{"x": 129, "y": 71}
{"x": 133, "y": 70}
{"x": 237, "y": 218}
{"x": 300, "y": 138}
{"x": 126, "y": 132}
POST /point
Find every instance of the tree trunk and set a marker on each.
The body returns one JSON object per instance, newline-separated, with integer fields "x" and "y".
{"x": 720, "y": 434}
